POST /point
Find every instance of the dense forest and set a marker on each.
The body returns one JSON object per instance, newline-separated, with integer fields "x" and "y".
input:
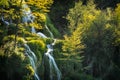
{"x": 59, "y": 39}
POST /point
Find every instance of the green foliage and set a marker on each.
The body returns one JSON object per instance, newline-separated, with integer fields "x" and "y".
{"x": 38, "y": 47}
{"x": 12, "y": 12}
{"x": 40, "y": 16}
{"x": 89, "y": 51}
{"x": 30, "y": 73}
{"x": 52, "y": 27}
{"x": 117, "y": 11}
{"x": 13, "y": 63}
{"x": 58, "y": 12}
{"x": 117, "y": 29}
{"x": 99, "y": 39}
{"x": 81, "y": 15}
{"x": 40, "y": 5}
{"x": 4, "y": 3}
{"x": 39, "y": 9}
{"x": 95, "y": 29}
{"x": 74, "y": 47}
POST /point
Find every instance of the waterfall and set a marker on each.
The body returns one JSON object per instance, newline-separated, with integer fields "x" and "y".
{"x": 31, "y": 52}
{"x": 51, "y": 34}
{"x": 52, "y": 61}
{"x": 33, "y": 30}
{"x": 42, "y": 35}
{"x": 6, "y": 22}
{"x": 28, "y": 17}
{"x": 32, "y": 58}
{"x": 51, "y": 58}
{"x": 49, "y": 52}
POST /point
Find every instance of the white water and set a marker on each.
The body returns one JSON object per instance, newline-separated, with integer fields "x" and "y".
{"x": 51, "y": 34}
{"x": 33, "y": 30}
{"x": 6, "y": 22}
{"x": 28, "y": 17}
{"x": 31, "y": 53}
{"x": 52, "y": 62}
{"x": 42, "y": 35}
{"x": 32, "y": 59}
{"x": 49, "y": 52}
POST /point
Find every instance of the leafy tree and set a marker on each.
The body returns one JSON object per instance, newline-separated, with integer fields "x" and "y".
{"x": 73, "y": 44}
{"x": 117, "y": 19}
{"x": 81, "y": 15}
{"x": 96, "y": 30}
{"x": 40, "y": 5}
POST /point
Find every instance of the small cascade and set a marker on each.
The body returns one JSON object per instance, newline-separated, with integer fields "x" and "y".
{"x": 49, "y": 52}
{"x": 32, "y": 57}
{"x": 31, "y": 52}
{"x": 6, "y": 22}
{"x": 51, "y": 34}
{"x": 52, "y": 61}
{"x": 33, "y": 30}
{"x": 42, "y": 35}
{"x": 28, "y": 17}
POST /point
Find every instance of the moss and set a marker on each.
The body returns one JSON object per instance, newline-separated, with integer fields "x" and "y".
{"x": 41, "y": 16}
{"x": 12, "y": 38}
{"x": 38, "y": 47}
{"x": 28, "y": 34}
{"x": 48, "y": 41}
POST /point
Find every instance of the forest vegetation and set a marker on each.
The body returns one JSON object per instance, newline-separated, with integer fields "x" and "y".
{"x": 87, "y": 34}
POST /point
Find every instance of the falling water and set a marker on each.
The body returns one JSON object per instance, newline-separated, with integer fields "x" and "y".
{"x": 49, "y": 52}
{"x": 51, "y": 34}
{"x": 32, "y": 58}
{"x": 33, "y": 30}
{"x": 42, "y": 35}
{"x": 52, "y": 61}
{"x": 31, "y": 52}
{"x": 6, "y": 22}
{"x": 28, "y": 17}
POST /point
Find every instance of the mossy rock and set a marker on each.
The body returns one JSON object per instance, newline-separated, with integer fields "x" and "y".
{"x": 38, "y": 47}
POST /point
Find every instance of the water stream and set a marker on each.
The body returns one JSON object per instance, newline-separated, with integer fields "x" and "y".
{"x": 32, "y": 57}
{"x": 28, "y": 17}
{"x": 6, "y": 22}
{"x": 52, "y": 61}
